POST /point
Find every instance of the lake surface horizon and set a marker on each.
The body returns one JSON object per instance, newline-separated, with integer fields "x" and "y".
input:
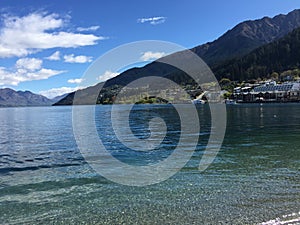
{"x": 255, "y": 177}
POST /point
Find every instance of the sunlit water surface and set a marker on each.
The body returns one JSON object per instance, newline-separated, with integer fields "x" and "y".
{"x": 255, "y": 178}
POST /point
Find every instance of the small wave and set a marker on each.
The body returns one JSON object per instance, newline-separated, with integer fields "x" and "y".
{"x": 293, "y": 218}
{"x": 16, "y": 169}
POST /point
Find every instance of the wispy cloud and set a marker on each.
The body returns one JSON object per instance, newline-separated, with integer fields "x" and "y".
{"x": 75, "y": 81}
{"x": 26, "y": 69}
{"x": 54, "y": 92}
{"x": 153, "y": 20}
{"x": 77, "y": 59}
{"x": 21, "y": 36}
{"x": 107, "y": 75}
{"x": 149, "y": 56}
{"x": 91, "y": 28}
{"x": 54, "y": 57}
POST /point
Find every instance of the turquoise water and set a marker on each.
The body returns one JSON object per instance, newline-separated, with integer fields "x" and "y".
{"x": 254, "y": 179}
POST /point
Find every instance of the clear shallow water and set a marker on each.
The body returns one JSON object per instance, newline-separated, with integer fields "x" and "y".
{"x": 254, "y": 179}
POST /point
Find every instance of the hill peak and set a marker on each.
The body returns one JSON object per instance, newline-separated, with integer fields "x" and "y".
{"x": 248, "y": 35}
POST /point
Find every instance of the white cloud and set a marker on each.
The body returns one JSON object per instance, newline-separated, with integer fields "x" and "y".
{"x": 75, "y": 81}
{"x": 20, "y": 36}
{"x": 148, "y": 56}
{"x": 92, "y": 28}
{"x": 107, "y": 75}
{"x": 153, "y": 20}
{"x": 77, "y": 59}
{"x": 54, "y": 92}
{"x": 26, "y": 69}
{"x": 54, "y": 57}
{"x": 29, "y": 64}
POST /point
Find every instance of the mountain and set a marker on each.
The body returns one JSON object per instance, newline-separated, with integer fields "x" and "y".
{"x": 58, "y": 98}
{"x": 278, "y": 56}
{"x": 247, "y": 36}
{"x": 237, "y": 42}
{"x": 9, "y": 97}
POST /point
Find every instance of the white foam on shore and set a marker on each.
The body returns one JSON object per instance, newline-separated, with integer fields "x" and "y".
{"x": 293, "y": 218}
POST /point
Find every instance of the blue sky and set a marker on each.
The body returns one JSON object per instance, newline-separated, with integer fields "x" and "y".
{"x": 45, "y": 46}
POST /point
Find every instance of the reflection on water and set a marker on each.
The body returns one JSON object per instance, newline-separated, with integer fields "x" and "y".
{"x": 254, "y": 179}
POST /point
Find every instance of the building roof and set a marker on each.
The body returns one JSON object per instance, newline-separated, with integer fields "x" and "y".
{"x": 272, "y": 88}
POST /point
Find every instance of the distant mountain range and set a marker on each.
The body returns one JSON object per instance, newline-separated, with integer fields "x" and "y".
{"x": 10, "y": 97}
{"x": 58, "y": 98}
{"x": 229, "y": 56}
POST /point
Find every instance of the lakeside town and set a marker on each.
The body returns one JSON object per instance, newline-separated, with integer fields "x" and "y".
{"x": 277, "y": 88}
{"x": 267, "y": 92}
{"x": 256, "y": 91}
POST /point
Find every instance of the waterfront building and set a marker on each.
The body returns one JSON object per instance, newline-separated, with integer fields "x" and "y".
{"x": 269, "y": 92}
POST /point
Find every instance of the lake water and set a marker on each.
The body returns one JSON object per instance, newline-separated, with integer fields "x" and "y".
{"x": 255, "y": 177}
